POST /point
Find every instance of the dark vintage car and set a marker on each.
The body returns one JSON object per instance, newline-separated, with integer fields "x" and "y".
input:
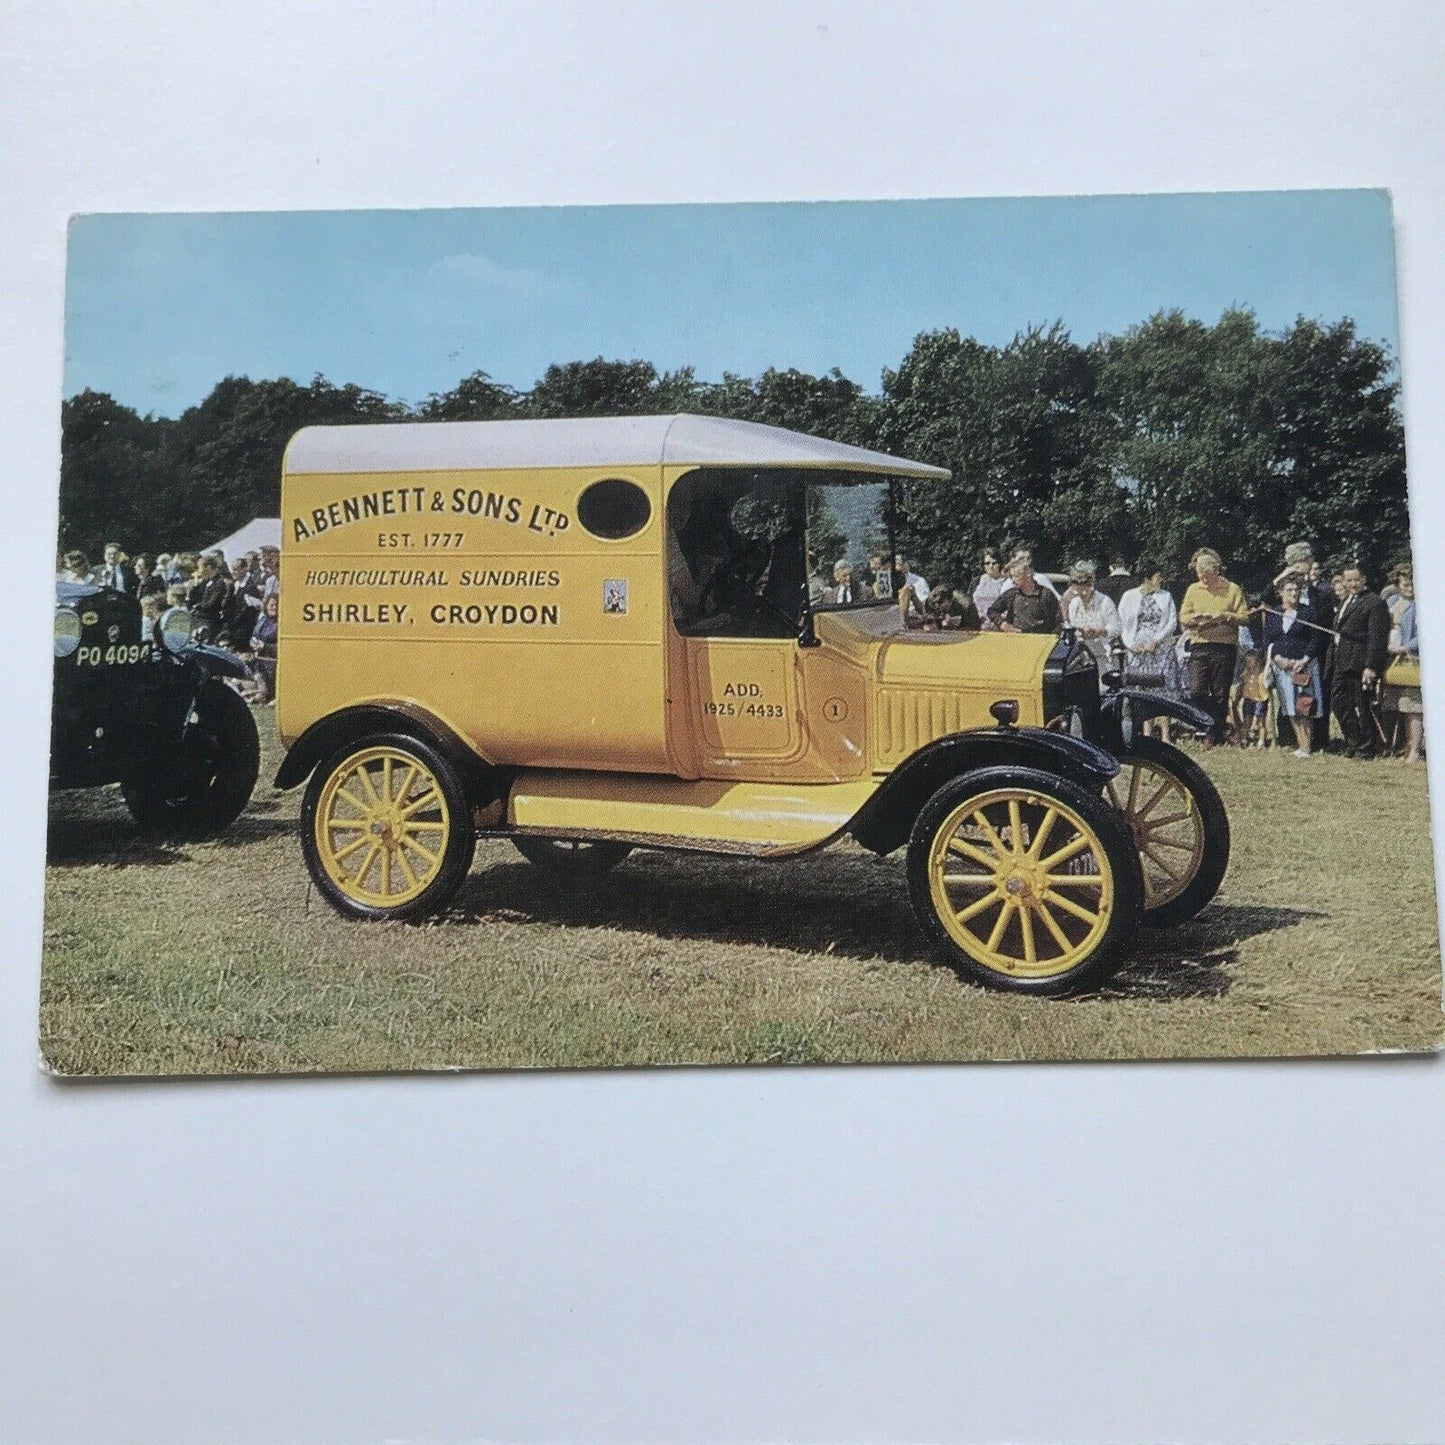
{"x": 150, "y": 712}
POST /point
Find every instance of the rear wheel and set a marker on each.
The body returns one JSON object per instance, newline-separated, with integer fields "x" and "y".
{"x": 1024, "y": 881}
{"x": 198, "y": 788}
{"x": 1180, "y": 828}
{"x": 386, "y": 829}
{"x": 576, "y": 858}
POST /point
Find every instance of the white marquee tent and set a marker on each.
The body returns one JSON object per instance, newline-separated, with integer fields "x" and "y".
{"x": 257, "y": 533}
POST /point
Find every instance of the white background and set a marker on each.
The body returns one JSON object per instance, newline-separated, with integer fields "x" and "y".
{"x": 993, "y": 1253}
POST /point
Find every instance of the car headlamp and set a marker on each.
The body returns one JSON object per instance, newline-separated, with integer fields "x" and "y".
{"x": 67, "y": 631}
{"x": 175, "y": 629}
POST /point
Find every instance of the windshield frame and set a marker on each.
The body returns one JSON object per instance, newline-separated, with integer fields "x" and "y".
{"x": 841, "y": 478}
{"x": 705, "y": 548}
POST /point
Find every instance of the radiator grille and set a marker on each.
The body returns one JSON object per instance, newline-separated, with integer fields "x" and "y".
{"x": 906, "y": 719}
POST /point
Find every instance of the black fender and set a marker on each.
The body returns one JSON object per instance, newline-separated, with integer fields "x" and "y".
{"x": 884, "y": 822}
{"x": 177, "y": 680}
{"x": 215, "y": 661}
{"x": 1123, "y": 711}
{"x": 328, "y": 734}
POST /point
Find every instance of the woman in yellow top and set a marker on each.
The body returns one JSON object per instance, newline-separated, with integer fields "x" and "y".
{"x": 1211, "y": 614}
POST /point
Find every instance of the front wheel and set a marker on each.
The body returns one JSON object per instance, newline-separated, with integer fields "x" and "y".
{"x": 1024, "y": 881}
{"x": 198, "y": 787}
{"x": 1179, "y": 825}
{"x": 386, "y": 829}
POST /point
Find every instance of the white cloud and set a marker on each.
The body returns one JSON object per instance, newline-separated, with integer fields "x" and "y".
{"x": 480, "y": 273}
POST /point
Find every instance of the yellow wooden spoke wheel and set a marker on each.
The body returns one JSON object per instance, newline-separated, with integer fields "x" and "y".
{"x": 1168, "y": 830}
{"x": 1027, "y": 878}
{"x": 386, "y": 828}
{"x": 1179, "y": 826}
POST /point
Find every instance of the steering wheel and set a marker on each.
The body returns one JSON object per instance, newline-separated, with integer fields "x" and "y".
{"x": 713, "y": 584}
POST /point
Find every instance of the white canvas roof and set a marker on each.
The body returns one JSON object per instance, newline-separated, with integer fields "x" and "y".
{"x": 257, "y": 533}
{"x": 680, "y": 440}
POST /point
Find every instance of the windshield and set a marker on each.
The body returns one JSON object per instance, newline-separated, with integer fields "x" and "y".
{"x": 750, "y": 550}
{"x": 850, "y": 544}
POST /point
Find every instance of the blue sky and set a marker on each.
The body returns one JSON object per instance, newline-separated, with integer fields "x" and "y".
{"x": 161, "y": 307}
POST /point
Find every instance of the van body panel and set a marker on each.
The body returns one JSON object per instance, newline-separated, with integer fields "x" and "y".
{"x": 480, "y": 596}
{"x": 711, "y": 814}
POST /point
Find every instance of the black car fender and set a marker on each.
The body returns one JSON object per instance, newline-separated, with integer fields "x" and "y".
{"x": 886, "y": 819}
{"x": 216, "y": 661}
{"x": 338, "y": 729}
{"x": 1120, "y": 713}
{"x": 177, "y": 680}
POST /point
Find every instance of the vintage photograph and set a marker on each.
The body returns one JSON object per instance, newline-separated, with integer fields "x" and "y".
{"x": 736, "y": 634}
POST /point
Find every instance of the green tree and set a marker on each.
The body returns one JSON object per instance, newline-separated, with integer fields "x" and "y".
{"x": 1343, "y": 445}
{"x": 827, "y": 541}
{"x": 1019, "y": 428}
{"x": 224, "y": 463}
{"x": 475, "y": 398}
{"x": 106, "y": 470}
{"x": 1174, "y": 435}
{"x": 1197, "y": 441}
{"x": 1243, "y": 441}
{"x": 609, "y": 388}
{"x": 831, "y": 406}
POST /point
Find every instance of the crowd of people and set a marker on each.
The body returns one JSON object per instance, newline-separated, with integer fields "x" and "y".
{"x": 232, "y": 604}
{"x": 1269, "y": 669}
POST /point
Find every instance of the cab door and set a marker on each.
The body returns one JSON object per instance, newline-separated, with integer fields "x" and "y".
{"x": 743, "y": 704}
{"x": 745, "y": 699}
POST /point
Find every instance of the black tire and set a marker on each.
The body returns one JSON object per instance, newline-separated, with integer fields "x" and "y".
{"x": 198, "y": 787}
{"x": 963, "y": 849}
{"x": 377, "y": 799}
{"x": 1187, "y": 857}
{"x": 573, "y": 858}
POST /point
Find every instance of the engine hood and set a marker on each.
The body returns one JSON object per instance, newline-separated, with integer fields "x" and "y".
{"x": 928, "y": 685}
{"x": 997, "y": 661}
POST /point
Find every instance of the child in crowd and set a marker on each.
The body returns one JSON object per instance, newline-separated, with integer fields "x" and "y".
{"x": 1253, "y": 702}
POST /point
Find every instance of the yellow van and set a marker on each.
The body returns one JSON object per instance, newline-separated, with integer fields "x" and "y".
{"x": 590, "y": 636}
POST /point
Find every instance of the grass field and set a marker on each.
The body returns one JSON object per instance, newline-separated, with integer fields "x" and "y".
{"x": 219, "y": 958}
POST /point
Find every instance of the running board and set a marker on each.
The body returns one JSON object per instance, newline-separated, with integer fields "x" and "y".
{"x": 757, "y": 820}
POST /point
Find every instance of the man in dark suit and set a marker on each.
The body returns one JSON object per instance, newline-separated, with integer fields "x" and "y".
{"x": 207, "y": 599}
{"x": 1119, "y": 581}
{"x": 844, "y": 589}
{"x": 114, "y": 573}
{"x": 1363, "y": 624}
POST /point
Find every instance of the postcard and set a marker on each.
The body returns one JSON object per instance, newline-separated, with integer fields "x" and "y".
{"x": 736, "y": 634}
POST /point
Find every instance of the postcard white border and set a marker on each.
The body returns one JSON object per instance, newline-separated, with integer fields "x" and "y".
{"x": 1051, "y": 1252}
